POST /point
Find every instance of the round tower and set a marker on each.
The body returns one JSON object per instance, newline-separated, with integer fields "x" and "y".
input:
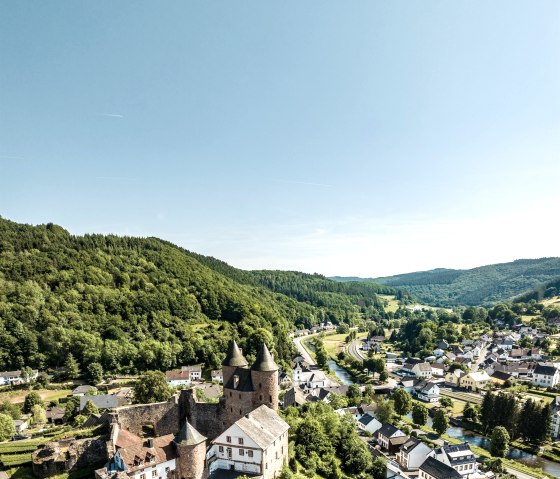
{"x": 234, "y": 360}
{"x": 191, "y": 453}
{"x": 264, "y": 376}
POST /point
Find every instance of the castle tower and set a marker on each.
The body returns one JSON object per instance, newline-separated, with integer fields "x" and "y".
{"x": 264, "y": 376}
{"x": 234, "y": 360}
{"x": 191, "y": 453}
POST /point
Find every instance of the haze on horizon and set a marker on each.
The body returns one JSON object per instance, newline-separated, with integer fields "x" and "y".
{"x": 380, "y": 139}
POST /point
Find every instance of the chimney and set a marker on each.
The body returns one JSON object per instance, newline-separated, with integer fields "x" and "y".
{"x": 150, "y": 442}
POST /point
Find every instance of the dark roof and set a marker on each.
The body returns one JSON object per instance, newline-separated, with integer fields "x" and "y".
{"x": 438, "y": 469}
{"x": 189, "y": 435}
{"x": 366, "y": 419}
{"x": 245, "y": 383}
{"x": 265, "y": 361}
{"x": 234, "y": 356}
{"x": 410, "y": 444}
{"x": 387, "y": 430}
{"x": 545, "y": 370}
{"x": 500, "y": 375}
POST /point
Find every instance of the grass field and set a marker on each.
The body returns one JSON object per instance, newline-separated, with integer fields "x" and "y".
{"x": 46, "y": 395}
{"x": 392, "y": 303}
{"x": 334, "y": 342}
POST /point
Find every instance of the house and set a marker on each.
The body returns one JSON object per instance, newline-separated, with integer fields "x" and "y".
{"x": 216, "y": 376}
{"x": 545, "y": 376}
{"x": 438, "y": 370}
{"x": 412, "y": 454}
{"x": 102, "y": 401}
{"x": 353, "y": 411}
{"x": 311, "y": 379}
{"x": 16, "y": 377}
{"x": 458, "y": 456}
{"x": 422, "y": 370}
{"x": 555, "y": 424}
{"x": 452, "y": 378}
{"x": 427, "y": 391}
{"x": 407, "y": 384}
{"x": 369, "y": 424}
{"x": 474, "y": 381}
{"x": 438, "y": 353}
{"x": 21, "y": 424}
{"x": 499, "y": 377}
{"x": 55, "y": 415}
{"x": 294, "y": 396}
{"x": 183, "y": 377}
{"x": 83, "y": 390}
{"x": 390, "y": 438}
{"x": 443, "y": 344}
{"x": 433, "y": 469}
{"x": 255, "y": 444}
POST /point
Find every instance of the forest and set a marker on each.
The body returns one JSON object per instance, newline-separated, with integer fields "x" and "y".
{"x": 134, "y": 304}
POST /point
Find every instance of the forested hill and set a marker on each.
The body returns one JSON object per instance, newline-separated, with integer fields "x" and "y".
{"x": 484, "y": 285}
{"x": 133, "y": 304}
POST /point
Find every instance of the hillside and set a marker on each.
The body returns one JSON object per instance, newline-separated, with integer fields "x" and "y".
{"x": 484, "y": 285}
{"x": 133, "y": 304}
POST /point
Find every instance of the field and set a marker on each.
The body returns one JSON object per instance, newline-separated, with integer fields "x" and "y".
{"x": 392, "y": 303}
{"x": 334, "y": 342}
{"x": 47, "y": 395}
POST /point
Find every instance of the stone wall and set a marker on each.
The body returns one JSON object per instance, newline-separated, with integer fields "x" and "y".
{"x": 163, "y": 416}
{"x": 207, "y": 418}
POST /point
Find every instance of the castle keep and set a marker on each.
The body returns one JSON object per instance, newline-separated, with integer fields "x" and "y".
{"x": 185, "y": 430}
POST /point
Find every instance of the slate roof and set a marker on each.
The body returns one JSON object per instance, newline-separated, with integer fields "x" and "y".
{"x": 263, "y": 425}
{"x": 102, "y": 401}
{"x": 234, "y": 356}
{"x": 387, "y": 430}
{"x": 245, "y": 383}
{"x": 545, "y": 370}
{"x": 189, "y": 435}
{"x": 410, "y": 444}
{"x": 84, "y": 389}
{"x": 366, "y": 419}
{"x": 438, "y": 469}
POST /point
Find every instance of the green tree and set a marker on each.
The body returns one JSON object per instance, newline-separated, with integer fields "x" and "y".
{"x": 26, "y": 374}
{"x": 385, "y": 411}
{"x": 31, "y": 400}
{"x": 71, "y": 408}
{"x": 43, "y": 379}
{"x": 441, "y": 422}
{"x": 94, "y": 373}
{"x": 499, "y": 442}
{"x": 71, "y": 367}
{"x": 39, "y": 415}
{"x": 446, "y": 401}
{"x": 7, "y": 427}
{"x": 384, "y": 375}
{"x": 470, "y": 413}
{"x": 419, "y": 414}
{"x": 89, "y": 408}
{"x": 403, "y": 401}
{"x": 354, "y": 394}
{"x": 151, "y": 387}
{"x": 12, "y": 410}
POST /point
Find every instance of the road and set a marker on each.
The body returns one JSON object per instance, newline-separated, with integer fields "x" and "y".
{"x": 302, "y": 351}
{"x": 354, "y": 350}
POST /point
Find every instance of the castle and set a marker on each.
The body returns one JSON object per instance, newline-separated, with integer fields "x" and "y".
{"x": 242, "y": 433}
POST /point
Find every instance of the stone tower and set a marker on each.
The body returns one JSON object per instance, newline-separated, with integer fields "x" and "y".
{"x": 264, "y": 376}
{"x": 191, "y": 453}
{"x": 234, "y": 360}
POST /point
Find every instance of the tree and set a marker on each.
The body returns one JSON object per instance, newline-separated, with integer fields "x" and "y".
{"x": 368, "y": 393}
{"x": 43, "y": 379}
{"x": 470, "y": 412}
{"x": 26, "y": 374}
{"x": 89, "y": 408}
{"x": 440, "y": 423}
{"x": 7, "y": 427}
{"x": 39, "y": 414}
{"x": 31, "y": 400}
{"x": 419, "y": 414}
{"x": 385, "y": 411}
{"x": 384, "y": 376}
{"x": 446, "y": 402}
{"x": 151, "y": 387}
{"x": 12, "y": 410}
{"x": 403, "y": 401}
{"x": 72, "y": 367}
{"x": 71, "y": 408}
{"x": 499, "y": 441}
{"x": 95, "y": 373}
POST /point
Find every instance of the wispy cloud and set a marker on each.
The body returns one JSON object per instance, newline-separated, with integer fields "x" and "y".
{"x": 305, "y": 183}
{"x": 111, "y": 115}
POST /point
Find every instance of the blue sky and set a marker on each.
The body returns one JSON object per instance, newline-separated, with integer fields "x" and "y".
{"x": 352, "y": 138}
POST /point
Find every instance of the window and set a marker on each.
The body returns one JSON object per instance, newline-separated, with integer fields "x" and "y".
{"x": 240, "y": 440}
{"x": 154, "y": 473}
{"x": 142, "y": 476}
{"x": 221, "y": 449}
{"x": 241, "y": 452}
{"x": 250, "y": 453}
{"x": 228, "y": 438}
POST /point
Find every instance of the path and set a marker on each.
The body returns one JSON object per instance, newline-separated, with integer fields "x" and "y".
{"x": 302, "y": 351}
{"x": 520, "y": 475}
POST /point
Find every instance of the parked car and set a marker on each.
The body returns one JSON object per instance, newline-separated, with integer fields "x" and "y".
{"x": 19, "y": 437}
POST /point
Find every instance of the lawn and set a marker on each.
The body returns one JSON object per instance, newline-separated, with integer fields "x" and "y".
{"x": 392, "y": 303}
{"x": 334, "y": 342}
{"x": 46, "y": 395}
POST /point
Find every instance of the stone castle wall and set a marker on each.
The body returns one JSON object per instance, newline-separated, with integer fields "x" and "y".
{"x": 209, "y": 419}
{"x": 266, "y": 389}
{"x": 164, "y": 417}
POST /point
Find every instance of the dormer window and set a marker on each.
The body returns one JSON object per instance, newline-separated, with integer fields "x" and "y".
{"x": 235, "y": 381}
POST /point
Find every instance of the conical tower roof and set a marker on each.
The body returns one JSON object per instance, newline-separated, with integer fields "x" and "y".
{"x": 265, "y": 361}
{"x": 189, "y": 436}
{"x": 234, "y": 356}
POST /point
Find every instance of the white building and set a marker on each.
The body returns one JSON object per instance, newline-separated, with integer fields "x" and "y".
{"x": 369, "y": 424}
{"x": 475, "y": 381}
{"x": 434, "y": 469}
{"x": 16, "y": 377}
{"x": 217, "y": 376}
{"x": 412, "y": 454}
{"x": 546, "y": 376}
{"x": 255, "y": 444}
{"x": 422, "y": 370}
{"x": 459, "y": 457}
{"x": 427, "y": 391}
{"x": 555, "y": 425}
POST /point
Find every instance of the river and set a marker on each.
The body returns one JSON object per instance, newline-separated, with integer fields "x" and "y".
{"x": 518, "y": 455}
{"x": 341, "y": 373}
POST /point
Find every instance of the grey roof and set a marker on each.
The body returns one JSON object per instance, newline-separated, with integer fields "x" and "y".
{"x": 545, "y": 370}
{"x": 84, "y": 389}
{"x": 438, "y": 469}
{"x": 411, "y": 444}
{"x": 234, "y": 356}
{"x": 265, "y": 361}
{"x": 425, "y": 367}
{"x": 387, "y": 430}
{"x": 189, "y": 435}
{"x": 245, "y": 382}
{"x": 101, "y": 401}
{"x": 263, "y": 425}
{"x": 366, "y": 419}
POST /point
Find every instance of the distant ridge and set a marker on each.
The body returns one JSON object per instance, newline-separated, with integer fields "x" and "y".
{"x": 484, "y": 285}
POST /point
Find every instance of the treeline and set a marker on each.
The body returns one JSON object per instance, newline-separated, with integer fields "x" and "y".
{"x": 529, "y": 420}
{"x": 485, "y": 285}
{"x": 133, "y": 304}
{"x": 322, "y": 442}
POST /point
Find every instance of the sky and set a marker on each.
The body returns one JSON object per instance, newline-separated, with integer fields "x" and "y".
{"x": 356, "y": 138}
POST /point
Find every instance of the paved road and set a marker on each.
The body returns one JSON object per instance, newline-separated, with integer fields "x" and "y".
{"x": 302, "y": 350}
{"x": 354, "y": 350}
{"x": 520, "y": 475}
